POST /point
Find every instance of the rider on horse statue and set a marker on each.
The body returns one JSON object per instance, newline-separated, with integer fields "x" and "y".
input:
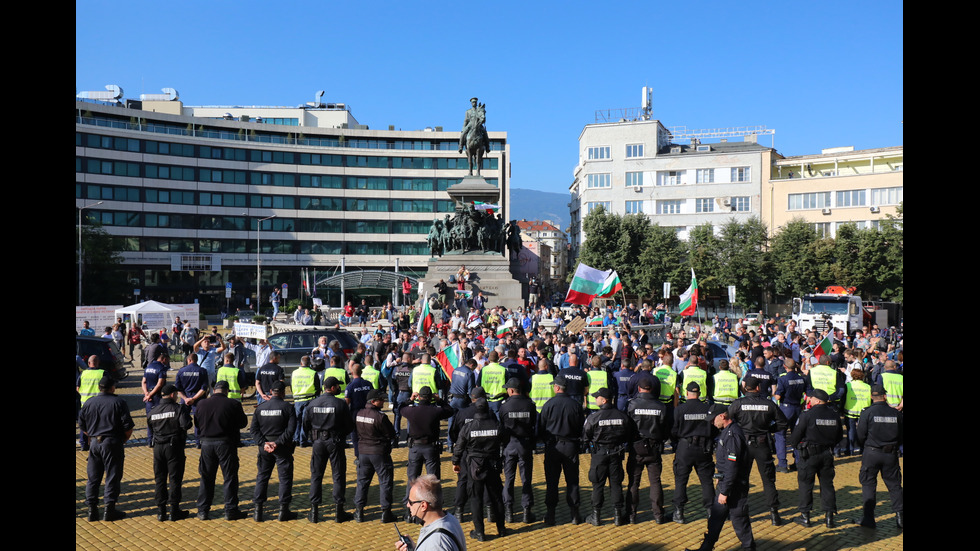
{"x": 474, "y": 136}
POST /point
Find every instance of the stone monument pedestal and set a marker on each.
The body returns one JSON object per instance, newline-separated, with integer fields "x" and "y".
{"x": 489, "y": 272}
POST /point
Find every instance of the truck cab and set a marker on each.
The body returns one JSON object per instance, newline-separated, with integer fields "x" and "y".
{"x": 820, "y": 310}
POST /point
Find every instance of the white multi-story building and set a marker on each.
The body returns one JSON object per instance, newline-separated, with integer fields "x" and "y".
{"x": 546, "y": 232}
{"x": 634, "y": 167}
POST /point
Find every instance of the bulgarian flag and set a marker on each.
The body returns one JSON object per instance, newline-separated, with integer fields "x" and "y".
{"x": 611, "y": 286}
{"x": 823, "y": 347}
{"x": 587, "y": 284}
{"x": 425, "y": 319}
{"x": 505, "y": 328}
{"x": 480, "y": 205}
{"x": 689, "y": 300}
{"x": 595, "y": 321}
{"x": 449, "y": 359}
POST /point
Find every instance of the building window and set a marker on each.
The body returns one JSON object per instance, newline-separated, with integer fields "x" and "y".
{"x": 598, "y": 153}
{"x": 705, "y": 175}
{"x": 853, "y": 198}
{"x": 596, "y": 204}
{"x": 741, "y": 204}
{"x": 634, "y": 150}
{"x": 704, "y": 205}
{"x": 672, "y": 178}
{"x": 887, "y": 196}
{"x": 669, "y": 207}
{"x": 741, "y": 174}
{"x": 634, "y": 179}
{"x": 803, "y": 201}
{"x": 599, "y": 180}
{"x": 634, "y": 207}
{"x": 822, "y": 229}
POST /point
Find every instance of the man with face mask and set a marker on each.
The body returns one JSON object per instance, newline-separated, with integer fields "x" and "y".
{"x": 440, "y": 530}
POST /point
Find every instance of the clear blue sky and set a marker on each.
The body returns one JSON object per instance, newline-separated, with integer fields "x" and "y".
{"x": 823, "y": 74}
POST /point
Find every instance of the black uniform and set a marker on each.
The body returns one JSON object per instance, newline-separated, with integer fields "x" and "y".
{"x": 170, "y": 422}
{"x": 105, "y": 419}
{"x": 423, "y": 437}
{"x": 219, "y": 420}
{"x": 650, "y": 416}
{"x": 576, "y": 381}
{"x": 693, "y": 451}
{"x": 734, "y": 465}
{"x": 375, "y": 433}
{"x": 274, "y": 421}
{"x": 766, "y": 382}
{"x": 462, "y": 418}
{"x": 328, "y": 422}
{"x": 608, "y": 432}
{"x": 267, "y": 375}
{"x": 759, "y": 418}
{"x": 518, "y": 415}
{"x": 479, "y": 442}
{"x": 814, "y": 436}
{"x": 881, "y": 431}
{"x": 560, "y": 426}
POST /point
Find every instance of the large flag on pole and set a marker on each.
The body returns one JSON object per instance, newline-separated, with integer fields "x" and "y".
{"x": 425, "y": 318}
{"x": 586, "y": 284}
{"x": 823, "y": 347}
{"x": 610, "y": 286}
{"x": 449, "y": 359}
{"x": 505, "y": 328}
{"x": 480, "y": 205}
{"x": 689, "y": 300}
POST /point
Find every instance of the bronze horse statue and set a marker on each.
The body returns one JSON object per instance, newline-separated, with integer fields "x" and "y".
{"x": 475, "y": 139}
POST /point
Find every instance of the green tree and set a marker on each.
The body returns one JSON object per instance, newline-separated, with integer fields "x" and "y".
{"x": 793, "y": 266}
{"x": 703, "y": 254}
{"x": 663, "y": 259}
{"x": 744, "y": 259}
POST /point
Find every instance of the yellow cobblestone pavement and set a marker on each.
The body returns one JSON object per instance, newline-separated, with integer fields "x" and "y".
{"x": 141, "y": 530}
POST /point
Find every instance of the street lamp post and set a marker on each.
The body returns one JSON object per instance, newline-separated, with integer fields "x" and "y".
{"x": 258, "y": 263}
{"x": 80, "y": 209}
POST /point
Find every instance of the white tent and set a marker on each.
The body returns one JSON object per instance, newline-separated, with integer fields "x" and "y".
{"x": 156, "y": 315}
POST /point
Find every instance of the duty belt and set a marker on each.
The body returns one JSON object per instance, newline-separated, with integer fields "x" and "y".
{"x": 891, "y": 448}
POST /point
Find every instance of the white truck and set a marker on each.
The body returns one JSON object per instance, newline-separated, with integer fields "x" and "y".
{"x": 817, "y": 311}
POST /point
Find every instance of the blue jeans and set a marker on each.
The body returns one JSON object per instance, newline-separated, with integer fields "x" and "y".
{"x": 792, "y": 414}
{"x": 402, "y": 397}
{"x": 300, "y": 436}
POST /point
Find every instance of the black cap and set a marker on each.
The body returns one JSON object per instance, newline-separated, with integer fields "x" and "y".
{"x": 478, "y": 392}
{"x": 279, "y": 387}
{"x": 481, "y": 404}
{"x": 751, "y": 383}
{"x": 693, "y": 387}
{"x": 425, "y": 392}
{"x": 603, "y": 393}
{"x": 646, "y": 384}
{"x": 877, "y": 390}
{"x": 221, "y": 385}
{"x": 168, "y": 389}
{"x": 820, "y": 395}
{"x": 375, "y": 394}
{"x": 513, "y": 382}
{"x": 106, "y": 382}
{"x": 559, "y": 379}
{"x": 331, "y": 382}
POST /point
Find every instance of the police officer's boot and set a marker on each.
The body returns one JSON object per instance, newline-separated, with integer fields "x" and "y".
{"x": 707, "y": 545}
{"x": 804, "y": 520}
{"x": 93, "y": 513}
{"x": 342, "y": 515}
{"x": 829, "y": 520}
{"x": 774, "y": 517}
{"x": 111, "y": 513}
{"x": 619, "y": 518}
{"x": 529, "y": 516}
{"x": 314, "y": 516}
{"x": 387, "y": 516}
{"x": 501, "y": 529}
{"x": 491, "y": 514}
{"x": 900, "y": 520}
{"x": 679, "y": 515}
{"x": 258, "y": 516}
{"x": 359, "y": 514}
{"x": 285, "y": 514}
{"x": 868, "y": 516}
{"x": 176, "y": 513}
{"x": 549, "y": 517}
{"x": 595, "y": 519}
{"x": 508, "y": 513}
{"x": 162, "y": 513}
{"x": 576, "y": 517}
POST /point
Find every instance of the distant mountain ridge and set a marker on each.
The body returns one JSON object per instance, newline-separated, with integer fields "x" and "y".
{"x": 530, "y": 204}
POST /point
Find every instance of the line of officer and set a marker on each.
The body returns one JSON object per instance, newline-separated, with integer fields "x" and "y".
{"x": 170, "y": 422}
{"x": 608, "y": 432}
{"x": 518, "y": 415}
{"x": 327, "y": 421}
{"x": 759, "y": 418}
{"x": 479, "y": 441}
{"x": 375, "y": 433}
{"x": 818, "y": 430}
{"x": 219, "y": 420}
{"x": 273, "y": 426}
{"x": 649, "y": 414}
{"x": 105, "y": 420}
{"x": 560, "y": 425}
{"x": 423, "y": 434}
{"x": 880, "y": 430}
{"x": 693, "y": 451}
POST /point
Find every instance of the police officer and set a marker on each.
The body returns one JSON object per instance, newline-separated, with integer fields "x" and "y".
{"x": 273, "y": 426}
{"x": 154, "y": 377}
{"x": 819, "y": 428}
{"x": 423, "y": 435}
{"x": 375, "y": 433}
{"x": 400, "y": 381}
{"x": 327, "y": 421}
{"x": 734, "y": 465}
{"x": 219, "y": 420}
{"x": 725, "y": 385}
{"x": 268, "y": 375}
{"x": 881, "y": 430}
{"x": 598, "y": 378}
{"x": 518, "y": 416}
{"x": 479, "y": 441}
{"x": 649, "y": 414}
{"x": 192, "y": 382}
{"x": 336, "y": 369}
{"x": 576, "y": 380}
{"x": 463, "y": 381}
{"x": 790, "y": 390}
{"x": 542, "y": 384}
{"x": 767, "y": 383}
{"x": 622, "y": 381}
{"x": 694, "y": 442}
{"x": 560, "y": 426}
{"x": 608, "y": 432}
{"x": 235, "y": 377}
{"x": 306, "y": 387}
{"x": 170, "y": 422}
{"x": 87, "y": 386}
{"x": 105, "y": 420}
{"x": 758, "y": 418}
{"x": 463, "y": 417}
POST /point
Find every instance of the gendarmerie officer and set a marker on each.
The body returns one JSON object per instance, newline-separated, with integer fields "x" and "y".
{"x": 463, "y": 417}
{"x": 759, "y": 418}
{"x": 650, "y": 416}
{"x": 608, "y": 432}
{"x": 790, "y": 390}
{"x": 399, "y": 380}
{"x": 694, "y": 444}
{"x": 518, "y": 416}
{"x": 423, "y": 433}
{"x": 375, "y": 433}
{"x": 273, "y": 426}
{"x": 560, "y": 426}
{"x": 479, "y": 442}
{"x": 327, "y": 421}
{"x": 814, "y": 436}
{"x": 881, "y": 431}
{"x": 170, "y": 421}
{"x": 219, "y": 420}
{"x": 734, "y": 465}
{"x": 105, "y": 420}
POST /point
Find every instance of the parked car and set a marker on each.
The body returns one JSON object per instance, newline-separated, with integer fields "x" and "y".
{"x": 721, "y": 351}
{"x": 245, "y": 316}
{"x": 110, "y": 358}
